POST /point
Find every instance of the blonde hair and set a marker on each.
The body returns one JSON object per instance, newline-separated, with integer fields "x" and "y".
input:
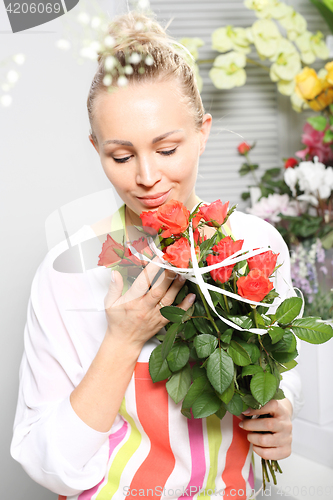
{"x": 141, "y": 41}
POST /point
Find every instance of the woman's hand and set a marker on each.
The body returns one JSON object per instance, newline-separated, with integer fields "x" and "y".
{"x": 275, "y": 443}
{"x": 135, "y": 317}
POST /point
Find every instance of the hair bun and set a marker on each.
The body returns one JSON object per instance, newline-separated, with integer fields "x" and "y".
{"x": 134, "y": 31}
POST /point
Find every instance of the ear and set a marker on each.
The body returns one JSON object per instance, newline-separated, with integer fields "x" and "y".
{"x": 90, "y": 137}
{"x": 204, "y": 131}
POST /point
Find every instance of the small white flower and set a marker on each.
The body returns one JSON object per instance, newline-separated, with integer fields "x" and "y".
{"x": 128, "y": 70}
{"x": 138, "y": 26}
{"x": 95, "y": 22}
{"x": 291, "y": 178}
{"x": 12, "y": 76}
{"x": 107, "y": 80}
{"x": 19, "y": 58}
{"x": 109, "y": 41}
{"x": 83, "y": 18}
{"x": 109, "y": 63}
{"x": 135, "y": 58}
{"x": 63, "y": 44}
{"x": 6, "y": 100}
{"x": 89, "y": 53}
{"x": 149, "y": 61}
{"x": 122, "y": 81}
{"x": 5, "y": 87}
{"x": 143, "y": 4}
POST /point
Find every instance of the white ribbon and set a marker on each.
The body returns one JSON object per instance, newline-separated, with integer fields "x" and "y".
{"x": 195, "y": 273}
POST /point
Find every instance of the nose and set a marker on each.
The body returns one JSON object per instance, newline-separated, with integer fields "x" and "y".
{"x": 148, "y": 173}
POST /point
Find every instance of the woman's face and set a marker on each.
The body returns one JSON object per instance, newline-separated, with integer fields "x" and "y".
{"x": 148, "y": 145}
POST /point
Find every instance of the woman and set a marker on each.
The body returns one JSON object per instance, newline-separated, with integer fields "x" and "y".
{"x": 90, "y": 423}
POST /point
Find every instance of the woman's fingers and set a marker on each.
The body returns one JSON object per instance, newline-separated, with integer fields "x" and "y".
{"x": 271, "y": 436}
{"x": 144, "y": 281}
{"x": 114, "y": 290}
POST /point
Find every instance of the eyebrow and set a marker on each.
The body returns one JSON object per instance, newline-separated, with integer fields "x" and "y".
{"x": 128, "y": 143}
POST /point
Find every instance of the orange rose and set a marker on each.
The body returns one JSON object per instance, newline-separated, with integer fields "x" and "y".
{"x": 225, "y": 248}
{"x": 265, "y": 262}
{"x": 215, "y": 213}
{"x": 173, "y": 218}
{"x": 179, "y": 253}
{"x": 108, "y": 255}
{"x": 255, "y": 286}
{"x": 149, "y": 222}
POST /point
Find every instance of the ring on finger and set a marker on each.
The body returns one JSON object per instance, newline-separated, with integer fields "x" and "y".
{"x": 161, "y": 304}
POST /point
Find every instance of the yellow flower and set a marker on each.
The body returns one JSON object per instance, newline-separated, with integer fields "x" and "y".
{"x": 227, "y": 71}
{"x": 322, "y": 100}
{"x": 308, "y": 85}
{"x": 230, "y": 38}
{"x": 329, "y": 69}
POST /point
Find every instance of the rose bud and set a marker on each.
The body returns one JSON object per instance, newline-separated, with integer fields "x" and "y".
{"x": 243, "y": 148}
{"x": 290, "y": 163}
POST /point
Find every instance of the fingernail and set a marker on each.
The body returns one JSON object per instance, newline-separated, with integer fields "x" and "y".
{"x": 182, "y": 277}
{"x": 112, "y": 277}
{"x": 241, "y": 424}
{"x": 246, "y": 412}
{"x": 191, "y": 298}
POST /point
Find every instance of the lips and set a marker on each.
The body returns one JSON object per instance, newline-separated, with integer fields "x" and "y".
{"x": 154, "y": 200}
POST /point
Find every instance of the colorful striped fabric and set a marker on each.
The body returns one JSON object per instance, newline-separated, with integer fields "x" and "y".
{"x": 159, "y": 453}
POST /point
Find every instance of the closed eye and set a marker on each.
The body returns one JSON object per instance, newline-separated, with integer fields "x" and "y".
{"x": 126, "y": 158}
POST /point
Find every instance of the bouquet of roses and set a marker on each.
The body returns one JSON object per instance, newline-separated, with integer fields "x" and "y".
{"x": 225, "y": 353}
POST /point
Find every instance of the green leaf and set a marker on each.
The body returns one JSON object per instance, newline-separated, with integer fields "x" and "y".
{"x": 287, "y": 366}
{"x": 202, "y": 325}
{"x": 284, "y": 357}
{"x": 226, "y": 336}
{"x": 328, "y": 136}
{"x": 172, "y": 313}
{"x": 169, "y": 339}
{"x": 245, "y": 195}
{"x": 250, "y": 401}
{"x": 318, "y": 122}
{"x": 198, "y": 371}
{"x": 243, "y": 321}
{"x": 221, "y": 412}
{"x": 288, "y": 310}
{"x": 178, "y": 357}
{"x": 199, "y": 386}
{"x": 158, "y": 367}
{"x": 276, "y": 333}
{"x": 178, "y": 385}
{"x": 311, "y": 330}
{"x": 235, "y": 406}
{"x": 188, "y": 314}
{"x": 251, "y": 370}
{"x": 327, "y": 240}
{"x": 279, "y": 394}
{"x": 263, "y": 387}
{"x": 286, "y": 344}
{"x": 189, "y": 330}
{"x": 205, "y": 344}
{"x": 227, "y": 395}
{"x": 238, "y": 354}
{"x": 205, "y": 405}
{"x": 220, "y": 370}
